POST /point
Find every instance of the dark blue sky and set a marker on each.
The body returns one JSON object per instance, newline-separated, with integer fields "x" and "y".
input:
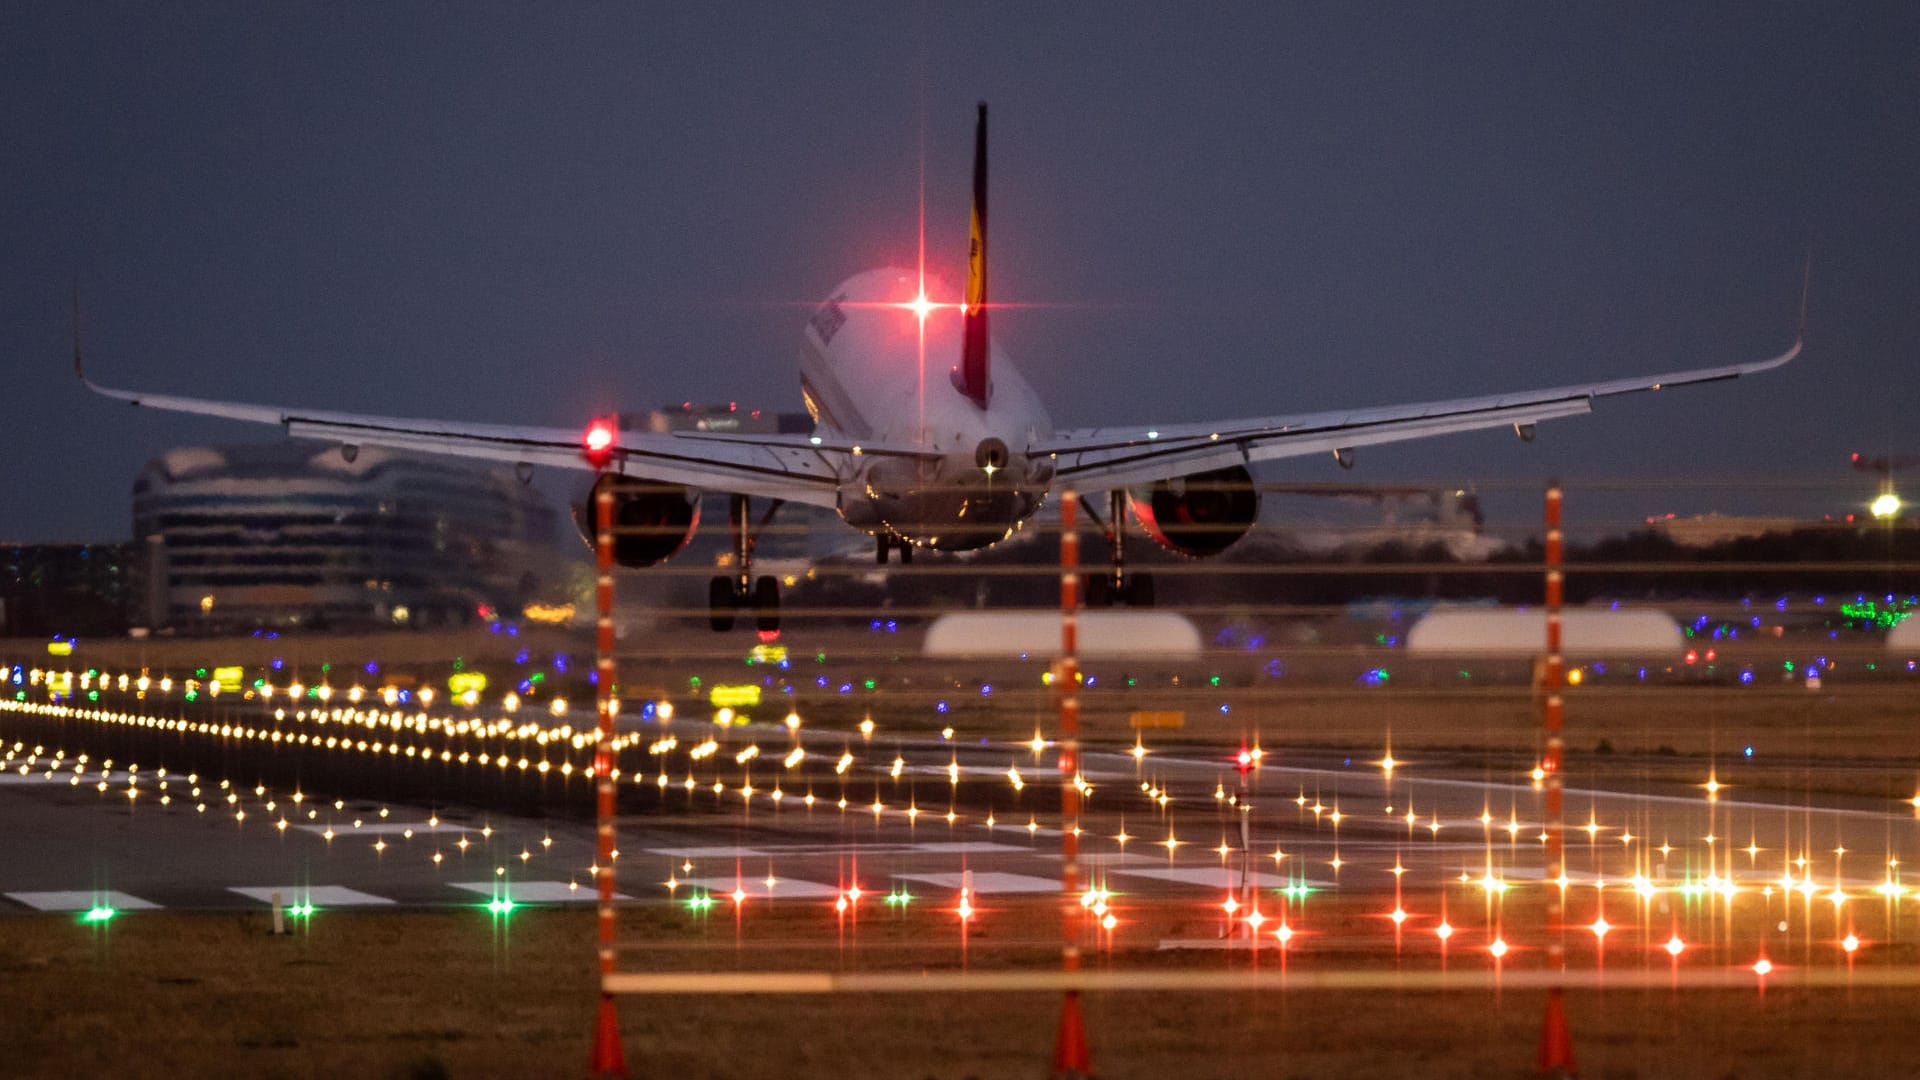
{"x": 535, "y": 212}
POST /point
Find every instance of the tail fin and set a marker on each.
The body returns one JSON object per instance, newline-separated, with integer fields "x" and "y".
{"x": 971, "y": 375}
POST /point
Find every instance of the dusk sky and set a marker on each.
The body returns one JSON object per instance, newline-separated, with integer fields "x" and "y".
{"x": 538, "y": 212}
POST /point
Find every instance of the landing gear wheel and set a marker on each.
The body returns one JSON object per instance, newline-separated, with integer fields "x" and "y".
{"x": 1099, "y": 590}
{"x": 766, "y": 605}
{"x": 720, "y": 604}
{"x": 1138, "y": 591}
{"x": 883, "y": 543}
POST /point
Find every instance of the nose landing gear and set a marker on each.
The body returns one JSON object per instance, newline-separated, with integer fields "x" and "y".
{"x": 883, "y": 543}
{"x": 728, "y": 594}
{"x": 1116, "y": 586}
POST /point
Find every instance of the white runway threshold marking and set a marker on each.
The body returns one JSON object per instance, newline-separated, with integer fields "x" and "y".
{"x": 756, "y": 888}
{"x": 317, "y": 895}
{"x": 384, "y": 828}
{"x": 25, "y": 777}
{"x": 1213, "y": 877}
{"x": 82, "y": 900}
{"x": 535, "y": 892}
{"x": 932, "y": 847}
{"x": 986, "y": 882}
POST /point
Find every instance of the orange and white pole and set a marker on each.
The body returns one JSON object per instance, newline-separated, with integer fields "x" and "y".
{"x": 609, "y": 1059}
{"x": 1070, "y": 1058}
{"x": 1556, "y": 1045}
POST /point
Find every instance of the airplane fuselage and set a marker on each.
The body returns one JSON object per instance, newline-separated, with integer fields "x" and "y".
{"x": 877, "y": 370}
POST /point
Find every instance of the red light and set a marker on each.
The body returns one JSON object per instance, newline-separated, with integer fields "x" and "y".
{"x": 922, "y": 306}
{"x": 598, "y": 443}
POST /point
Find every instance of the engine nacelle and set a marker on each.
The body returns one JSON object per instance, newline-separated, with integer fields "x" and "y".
{"x": 652, "y": 522}
{"x": 1198, "y": 515}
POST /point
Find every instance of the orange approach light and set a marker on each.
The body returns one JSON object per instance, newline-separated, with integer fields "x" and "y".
{"x": 597, "y": 443}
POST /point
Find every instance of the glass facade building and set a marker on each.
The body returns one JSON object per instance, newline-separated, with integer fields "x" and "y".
{"x": 293, "y": 534}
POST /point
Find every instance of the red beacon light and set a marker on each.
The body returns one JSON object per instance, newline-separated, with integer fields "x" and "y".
{"x": 597, "y": 443}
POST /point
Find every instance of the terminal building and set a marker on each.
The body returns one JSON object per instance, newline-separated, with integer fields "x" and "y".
{"x": 297, "y": 534}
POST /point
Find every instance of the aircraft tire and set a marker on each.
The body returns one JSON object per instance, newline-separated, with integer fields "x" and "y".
{"x": 1139, "y": 590}
{"x": 720, "y": 604}
{"x": 1099, "y": 590}
{"x": 766, "y": 605}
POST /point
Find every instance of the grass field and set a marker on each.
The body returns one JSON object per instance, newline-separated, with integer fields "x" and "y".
{"x": 458, "y": 995}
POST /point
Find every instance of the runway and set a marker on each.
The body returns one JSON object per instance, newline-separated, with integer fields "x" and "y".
{"x": 927, "y": 819}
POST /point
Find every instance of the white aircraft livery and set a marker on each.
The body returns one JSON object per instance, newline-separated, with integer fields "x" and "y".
{"x": 926, "y": 436}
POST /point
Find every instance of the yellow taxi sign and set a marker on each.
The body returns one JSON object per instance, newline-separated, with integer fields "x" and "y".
{"x": 767, "y": 654}
{"x": 228, "y": 678}
{"x": 461, "y": 682}
{"x": 737, "y": 696}
{"x": 60, "y": 682}
{"x": 1162, "y": 718}
{"x": 59, "y": 648}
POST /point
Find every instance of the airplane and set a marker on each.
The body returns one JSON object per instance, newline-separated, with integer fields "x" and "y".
{"x": 920, "y": 455}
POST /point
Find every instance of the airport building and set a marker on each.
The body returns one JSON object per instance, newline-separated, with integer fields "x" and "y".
{"x": 729, "y": 418}
{"x": 299, "y": 534}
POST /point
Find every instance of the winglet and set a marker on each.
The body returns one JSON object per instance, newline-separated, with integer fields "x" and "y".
{"x": 1806, "y": 284}
{"x": 79, "y": 371}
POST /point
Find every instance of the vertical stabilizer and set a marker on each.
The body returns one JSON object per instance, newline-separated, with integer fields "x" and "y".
{"x": 971, "y": 375}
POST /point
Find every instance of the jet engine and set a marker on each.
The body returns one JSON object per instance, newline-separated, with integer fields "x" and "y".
{"x": 652, "y": 522}
{"x": 1198, "y": 515}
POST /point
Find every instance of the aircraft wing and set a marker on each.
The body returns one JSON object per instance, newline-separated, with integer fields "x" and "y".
{"x": 1113, "y": 457}
{"x": 786, "y": 467}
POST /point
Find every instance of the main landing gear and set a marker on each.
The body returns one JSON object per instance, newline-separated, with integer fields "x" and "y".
{"x": 727, "y": 594}
{"x": 1116, "y": 586}
{"x": 883, "y": 543}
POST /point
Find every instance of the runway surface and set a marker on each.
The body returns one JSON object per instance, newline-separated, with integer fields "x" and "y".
{"x": 927, "y": 818}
